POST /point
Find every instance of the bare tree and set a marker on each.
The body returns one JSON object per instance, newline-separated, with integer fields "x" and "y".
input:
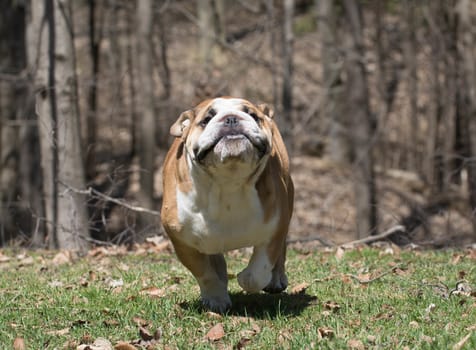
{"x": 287, "y": 89}
{"x": 466, "y": 10}
{"x": 333, "y": 87}
{"x": 145, "y": 97}
{"x": 411, "y": 63}
{"x": 95, "y": 22}
{"x": 11, "y": 64}
{"x": 212, "y": 29}
{"x": 359, "y": 111}
{"x": 58, "y": 117}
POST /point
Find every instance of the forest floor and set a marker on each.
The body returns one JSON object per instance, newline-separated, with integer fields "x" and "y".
{"x": 143, "y": 298}
{"x": 324, "y": 206}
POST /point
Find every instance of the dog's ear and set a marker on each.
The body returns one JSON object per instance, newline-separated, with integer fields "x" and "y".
{"x": 179, "y": 128}
{"x": 267, "y": 110}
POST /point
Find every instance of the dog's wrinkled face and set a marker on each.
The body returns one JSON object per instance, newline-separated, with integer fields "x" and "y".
{"x": 226, "y": 132}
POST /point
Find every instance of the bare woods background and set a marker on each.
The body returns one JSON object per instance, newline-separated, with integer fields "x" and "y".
{"x": 376, "y": 100}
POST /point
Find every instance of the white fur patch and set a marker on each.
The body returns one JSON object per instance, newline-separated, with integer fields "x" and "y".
{"x": 222, "y": 217}
{"x": 258, "y": 273}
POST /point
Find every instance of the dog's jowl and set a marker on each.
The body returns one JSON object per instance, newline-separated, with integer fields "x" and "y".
{"x": 227, "y": 186}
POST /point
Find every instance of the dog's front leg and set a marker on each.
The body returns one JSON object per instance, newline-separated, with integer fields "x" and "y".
{"x": 257, "y": 275}
{"x": 210, "y": 273}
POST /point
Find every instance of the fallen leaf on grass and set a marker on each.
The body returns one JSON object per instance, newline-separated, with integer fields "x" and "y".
{"x": 141, "y": 322}
{"x": 153, "y": 292}
{"x": 216, "y": 332}
{"x": 55, "y": 284}
{"x": 325, "y": 332}
{"x": 124, "y": 346}
{"x": 112, "y": 283}
{"x": 242, "y": 343}
{"x": 339, "y": 253}
{"x": 214, "y": 315}
{"x": 4, "y": 258}
{"x": 147, "y": 340}
{"x": 427, "y": 339}
{"x": 111, "y": 323}
{"x": 145, "y": 334}
{"x": 355, "y": 344}
{"x": 331, "y": 306}
{"x": 99, "y": 344}
{"x": 462, "y": 288}
{"x": 62, "y": 257}
{"x": 300, "y": 288}
{"x": 63, "y": 331}
{"x": 19, "y": 344}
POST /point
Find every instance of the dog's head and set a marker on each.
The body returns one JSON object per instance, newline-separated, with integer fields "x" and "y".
{"x": 226, "y": 133}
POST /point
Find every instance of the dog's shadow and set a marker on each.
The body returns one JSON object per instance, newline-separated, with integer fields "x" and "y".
{"x": 263, "y": 306}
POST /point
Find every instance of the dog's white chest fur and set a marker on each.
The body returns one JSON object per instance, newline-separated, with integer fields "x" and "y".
{"x": 221, "y": 219}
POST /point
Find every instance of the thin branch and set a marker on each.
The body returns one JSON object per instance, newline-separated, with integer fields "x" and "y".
{"x": 370, "y": 280}
{"x": 369, "y": 239}
{"x": 95, "y": 193}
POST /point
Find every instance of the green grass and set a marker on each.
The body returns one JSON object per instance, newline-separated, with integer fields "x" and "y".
{"x": 55, "y": 306}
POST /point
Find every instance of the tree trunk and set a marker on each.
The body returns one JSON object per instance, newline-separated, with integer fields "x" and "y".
{"x": 465, "y": 10}
{"x": 359, "y": 110}
{"x": 11, "y": 41}
{"x": 270, "y": 23}
{"x": 410, "y": 56}
{"x": 95, "y": 37}
{"x": 58, "y": 115}
{"x": 285, "y": 121}
{"x": 333, "y": 89}
{"x": 145, "y": 96}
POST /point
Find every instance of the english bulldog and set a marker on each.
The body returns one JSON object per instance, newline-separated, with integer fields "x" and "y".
{"x": 227, "y": 186}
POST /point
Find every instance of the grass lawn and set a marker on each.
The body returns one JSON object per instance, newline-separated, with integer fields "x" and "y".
{"x": 363, "y": 298}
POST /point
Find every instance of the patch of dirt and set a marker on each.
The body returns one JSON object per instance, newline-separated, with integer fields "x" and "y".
{"x": 324, "y": 206}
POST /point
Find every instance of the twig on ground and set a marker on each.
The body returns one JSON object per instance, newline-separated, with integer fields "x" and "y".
{"x": 369, "y": 239}
{"x": 370, "y": 280}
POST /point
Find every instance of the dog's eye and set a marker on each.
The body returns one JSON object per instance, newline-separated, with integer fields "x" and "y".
{"x": 205, "y": 121}
{"x": 255, "y": 117}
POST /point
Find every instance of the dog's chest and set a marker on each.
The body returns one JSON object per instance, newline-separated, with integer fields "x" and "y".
{"x": 219, "y": 220}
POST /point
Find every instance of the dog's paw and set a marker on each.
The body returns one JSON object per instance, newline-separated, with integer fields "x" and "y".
{"x": 279, "y": 282}
{"x": 219, "y": 304}
{"x": 253, "y": 282}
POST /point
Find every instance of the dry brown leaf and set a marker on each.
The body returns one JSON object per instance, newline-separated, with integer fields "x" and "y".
{"x": 242, "y": 343}
{"x": 300, "y": 288}
{"x": 111, "y": 323}
{"x": 332, "y": 306}
{"x": 141, "y": 322}
{"x": 4, "y": 258}
{"x": 62, "y": 257}
{"x": 99, "y": 344}
{"x": 145, "y": 334}
{"x": 216, "y": 332}
{"x": 19, "y": 344}
{"x": 355, "y": 344}
{"x": 153, "y": 292}
{"x": 124, "y": 346}
{"x": 371, "y": 339}
{"x": 214, "y": 315}
{"x": 339, "y": 253}
{"x": 325, "y": 332}
{"x": 456, "y": 259}
{"x": 63, "y": 331}
{"x": 427, "y": 339}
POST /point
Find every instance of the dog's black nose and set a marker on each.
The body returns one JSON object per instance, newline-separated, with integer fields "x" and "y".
{"x": 231, "y": 121}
